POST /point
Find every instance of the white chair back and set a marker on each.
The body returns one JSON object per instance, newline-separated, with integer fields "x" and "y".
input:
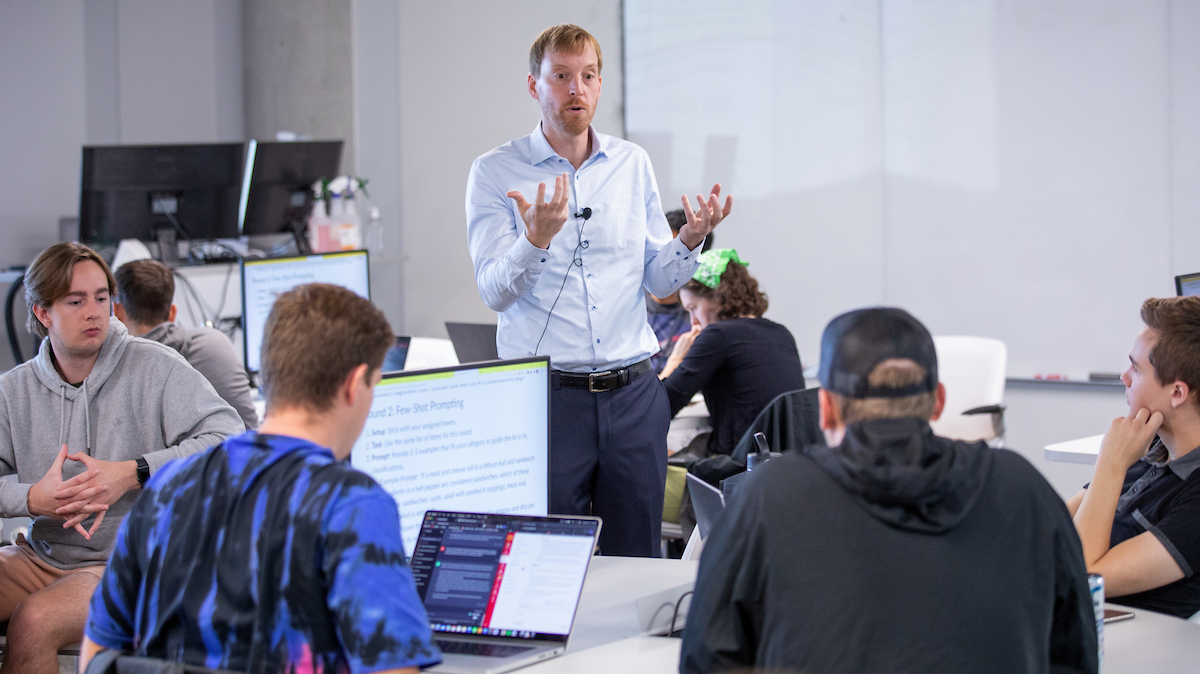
{"x": 972, "y": 370}
{"x": 695, "y": 546}
{"x": 428, "y": 352}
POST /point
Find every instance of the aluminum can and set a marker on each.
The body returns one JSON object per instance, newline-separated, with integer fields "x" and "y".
{"x": 1096, "y": 587}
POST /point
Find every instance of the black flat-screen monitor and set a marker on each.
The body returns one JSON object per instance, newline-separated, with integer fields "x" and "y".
{"x": 277, "y": 182}
{"x": 132, "y": 191}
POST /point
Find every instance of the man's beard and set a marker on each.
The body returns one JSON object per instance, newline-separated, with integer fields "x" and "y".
{"x": 573, "y": 124}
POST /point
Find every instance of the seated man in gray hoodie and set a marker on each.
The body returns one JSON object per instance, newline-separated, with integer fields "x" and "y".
{"x": 889, "y": 549}
{"x": 145, "y": 289}
{"x": 83, "y": 425}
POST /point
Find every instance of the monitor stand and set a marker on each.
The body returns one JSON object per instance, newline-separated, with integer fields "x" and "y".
{"x": 299, "y": 231}
{"x": 168, "y": 245}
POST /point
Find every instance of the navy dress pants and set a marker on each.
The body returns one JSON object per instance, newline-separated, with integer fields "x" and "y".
{"x": 608, "y": 457}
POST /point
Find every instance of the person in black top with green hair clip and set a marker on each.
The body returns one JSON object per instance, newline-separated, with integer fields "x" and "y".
{"x": 738, "y": 359}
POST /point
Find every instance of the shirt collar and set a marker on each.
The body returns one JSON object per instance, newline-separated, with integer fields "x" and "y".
{"x": 1182, "y": 467}
{"x": 540, "y": 150}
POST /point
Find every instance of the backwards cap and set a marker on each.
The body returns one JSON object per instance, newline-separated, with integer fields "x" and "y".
{"x": 855, "y": 342}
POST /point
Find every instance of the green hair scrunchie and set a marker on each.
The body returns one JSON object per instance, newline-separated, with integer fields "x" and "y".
{"x": 713, "y": 264}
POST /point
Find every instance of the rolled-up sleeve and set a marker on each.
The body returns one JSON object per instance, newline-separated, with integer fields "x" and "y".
{"x": 507, "y": 265}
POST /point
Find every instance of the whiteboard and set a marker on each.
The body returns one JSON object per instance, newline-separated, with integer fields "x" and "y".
{"x": 1022, "y": 170}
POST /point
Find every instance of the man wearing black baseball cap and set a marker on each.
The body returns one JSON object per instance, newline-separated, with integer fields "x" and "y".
{"x": 888, "y": 548}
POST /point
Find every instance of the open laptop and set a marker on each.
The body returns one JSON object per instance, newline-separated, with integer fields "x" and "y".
{"x": 473, "y": 342}
{"x": 501, "y": 590}
{"x": 707, "y": 502}
{"x": 397, "y": 355}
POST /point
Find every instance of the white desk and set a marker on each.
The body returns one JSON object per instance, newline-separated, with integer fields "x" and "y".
{"x": 691, "y": 421}
{"x": 1151, "y": 642}
{"x": 606, "y": 636}
{"x": 1083, "y": 450}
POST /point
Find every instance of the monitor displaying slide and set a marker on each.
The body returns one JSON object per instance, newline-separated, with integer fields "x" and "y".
{"x": 265, "y": 280}
{"x": 471, "y": 438}
{"x": 1187, "y": 284}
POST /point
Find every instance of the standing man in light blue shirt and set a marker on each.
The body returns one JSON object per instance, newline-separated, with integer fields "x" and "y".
{"x": 566, "y": 276}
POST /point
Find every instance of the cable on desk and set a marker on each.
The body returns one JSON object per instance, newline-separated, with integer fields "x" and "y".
{"x": 675, "y": 615}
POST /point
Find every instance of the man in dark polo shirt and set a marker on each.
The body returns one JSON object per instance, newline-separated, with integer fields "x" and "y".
{"x": 1139, "y": 518}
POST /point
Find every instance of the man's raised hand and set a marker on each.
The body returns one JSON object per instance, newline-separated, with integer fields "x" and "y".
{"x": 1128, "y": 438}
{"x": 705, "y": 218}
{"x": 543, "y": 219}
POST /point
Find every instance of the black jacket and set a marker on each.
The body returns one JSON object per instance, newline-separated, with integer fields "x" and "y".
{"x": 897, "y": 551}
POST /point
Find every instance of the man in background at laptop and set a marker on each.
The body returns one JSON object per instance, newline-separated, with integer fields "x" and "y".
{"x": 145, "y": 289}
{"x": 269, "y": 553}
{"x": 889, "y": 549}
{"x": 1139, "y": 517}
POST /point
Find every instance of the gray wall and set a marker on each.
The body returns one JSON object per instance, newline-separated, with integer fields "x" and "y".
{"x": 76, "y": 73}
{"x": 299, "y": 72}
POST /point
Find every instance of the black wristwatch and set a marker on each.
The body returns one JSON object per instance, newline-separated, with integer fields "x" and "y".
{"x": 143, "y": 470}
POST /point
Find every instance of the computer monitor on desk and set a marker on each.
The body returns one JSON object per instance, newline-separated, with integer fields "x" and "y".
{"x": 470, "y": 438}
{"x": 160, "y": 192}
{"x": 1187, "y": 284}
{"x": 277, "y": 184}
{"x": 265, "y": 280}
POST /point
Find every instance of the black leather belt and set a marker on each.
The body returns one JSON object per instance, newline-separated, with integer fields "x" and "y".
{"x": 600, "y": 381}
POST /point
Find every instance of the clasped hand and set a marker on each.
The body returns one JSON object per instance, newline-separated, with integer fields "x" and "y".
{"x": 543, "y": 219}
{"x": 89, "y": 493}
{"x": 1128, "y": 438}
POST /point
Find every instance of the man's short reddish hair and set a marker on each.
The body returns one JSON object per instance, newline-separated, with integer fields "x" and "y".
{"x": 566, "y": 38}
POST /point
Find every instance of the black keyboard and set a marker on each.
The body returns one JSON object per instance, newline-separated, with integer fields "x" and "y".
{"x": 488, "y": 650}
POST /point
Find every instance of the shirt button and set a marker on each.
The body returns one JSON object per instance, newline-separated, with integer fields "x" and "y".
{"x": 593, "y": 307}
{"x": 678, "y": 253}
{"x": 1136, "y": 488}
{"x": 589, "y": 275}
{"x": 543, "y": 259}
{"x": 597, "y": 341}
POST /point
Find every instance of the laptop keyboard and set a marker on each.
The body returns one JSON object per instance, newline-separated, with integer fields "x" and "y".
{"x": 486, "y": 650}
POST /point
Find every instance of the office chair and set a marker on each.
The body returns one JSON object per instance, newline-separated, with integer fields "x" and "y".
{"x": 790, "y": 421}
{"x": 972, "y": 370}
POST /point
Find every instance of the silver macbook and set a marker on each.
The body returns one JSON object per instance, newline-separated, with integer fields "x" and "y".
{"x": 707, "y": 502}
{"x": 501, "y": 590}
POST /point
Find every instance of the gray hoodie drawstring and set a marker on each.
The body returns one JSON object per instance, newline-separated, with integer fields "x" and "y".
{"x": 87, "y": 418}
{"x": 62, "y": 415}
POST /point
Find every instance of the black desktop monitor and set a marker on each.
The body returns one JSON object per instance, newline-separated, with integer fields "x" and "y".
{"x": 277, "y": 183}
{"x": 1187, "y": 284}
{"x": 138, "y": 191}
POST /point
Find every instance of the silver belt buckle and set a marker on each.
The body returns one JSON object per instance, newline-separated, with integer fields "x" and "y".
{"x": 592, "y": 381}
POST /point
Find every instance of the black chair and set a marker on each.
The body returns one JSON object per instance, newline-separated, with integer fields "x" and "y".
{"x": 790, "y": 421}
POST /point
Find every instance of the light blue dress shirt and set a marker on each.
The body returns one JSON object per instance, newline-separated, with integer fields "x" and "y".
{"x": 599, "y": 321}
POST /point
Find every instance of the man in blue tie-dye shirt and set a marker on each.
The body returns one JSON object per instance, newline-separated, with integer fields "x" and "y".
{"x": 269, "y": 553}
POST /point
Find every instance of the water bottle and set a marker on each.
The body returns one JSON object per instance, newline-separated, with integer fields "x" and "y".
{"x": 374, "y": 233}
